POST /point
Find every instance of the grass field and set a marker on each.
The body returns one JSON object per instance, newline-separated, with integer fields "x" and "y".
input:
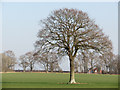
{"x": 55, "y": 80}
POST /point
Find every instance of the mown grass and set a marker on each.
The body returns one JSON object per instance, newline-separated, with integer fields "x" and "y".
{"x": 56, "y": 80}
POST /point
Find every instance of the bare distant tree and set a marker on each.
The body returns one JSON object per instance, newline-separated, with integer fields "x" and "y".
{"x": 12, "y": 60}
{"x": 71, "y": 30}
{"x": 23, "y": 62}
{"x": 48, "y": 58}
{"x": 5, "y": 63}
{"x": 41, "y": 55}
{"x": 113, "y": 64}
{"x": 81, "y": 61}
{"x": 54, "y": 61}
{"x": 94, "y": 60}
{"x": 27, "y": 60}
{"x": 30, "y": 59}
{"x": 85, "y": 60}
{"x": 105, "y": 61}
{"x": 8, "y": 60}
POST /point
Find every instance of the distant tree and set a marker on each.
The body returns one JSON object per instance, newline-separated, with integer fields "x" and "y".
{"x": 81, "y": 61}
{"x": 86, "y": 60}
{"x": 71, "y": 30}
{"x": 113, "y": 64}
{"x": 4, "y": 63}
{"x": 105, "y": 61}
{"x": 90, "y": 60}
{"x": 27, "y": 60}
{"x": 8, "y": 60}
{"x": 54, "y": 61}
{"x": 30, "y": 59}
{"x": 23, "y": 62}
{"x": 94, "y": 60}
{"x": 48, "y": 59}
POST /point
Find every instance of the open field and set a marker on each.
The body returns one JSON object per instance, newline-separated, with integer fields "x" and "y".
{"x": 56, "y": 80}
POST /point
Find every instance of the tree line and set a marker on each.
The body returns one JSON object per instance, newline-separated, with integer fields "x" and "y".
{"x": 51, "y": 62}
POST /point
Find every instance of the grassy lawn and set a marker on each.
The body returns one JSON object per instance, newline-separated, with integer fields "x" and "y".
{"x": 54, "y": 80}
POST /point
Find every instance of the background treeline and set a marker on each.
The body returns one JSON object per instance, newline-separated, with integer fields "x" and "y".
{"x": 50, "y": 61}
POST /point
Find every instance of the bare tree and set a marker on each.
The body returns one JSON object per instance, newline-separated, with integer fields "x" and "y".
{"x": 85, "y": 60}
{"x": 30, "y": 59}
{"x": 71, "y": 30}
{"x": 27, "y": 60}
{"x": 8, "y": 60}
{"x": 79, "y": 66}
{"x": 94, "y": 60}
{"x": 48, "y": 58}
{"x": 41, "y": 55}
{"x": 113, "y": 64}
{"x": 23, "y": 62}
{"x": 81, "y": 61}
{"x": 54, "y": 61}
{"x": 105, "y": 61}
{"x": 5, "y": 63}
{"x": 43, "y": 59}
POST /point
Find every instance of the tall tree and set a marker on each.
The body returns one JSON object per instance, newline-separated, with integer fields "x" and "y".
{"x": 71, "y": 30}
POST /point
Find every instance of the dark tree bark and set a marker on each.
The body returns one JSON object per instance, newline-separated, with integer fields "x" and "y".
{"x": 31, "y": 68}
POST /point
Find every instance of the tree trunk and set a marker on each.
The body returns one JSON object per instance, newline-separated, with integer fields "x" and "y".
{"x": 51, "y": 67}
{"x": 47, "y": 68}
{"x": 72, "y": 77}
{"x": 31, "y": 68}
{"x": 85, "y": 68}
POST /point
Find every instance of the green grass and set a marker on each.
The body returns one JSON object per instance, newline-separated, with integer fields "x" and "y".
{"x": 53, "y": 80}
